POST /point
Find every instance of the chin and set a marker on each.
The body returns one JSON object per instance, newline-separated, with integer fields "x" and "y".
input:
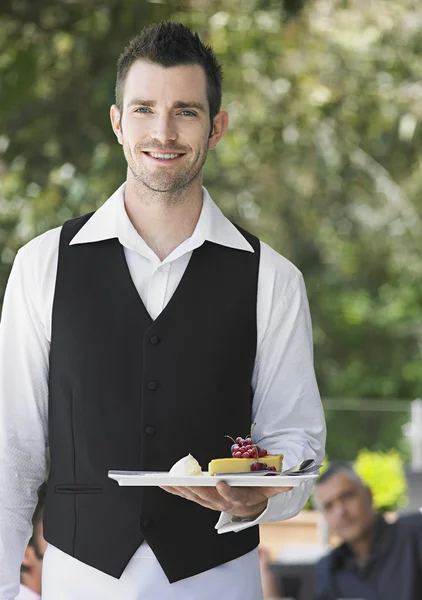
{"x": 350, "y": 535}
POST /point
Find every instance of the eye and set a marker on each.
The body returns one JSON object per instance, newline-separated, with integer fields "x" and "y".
{"x": 188, "y": 113}
{"x": 141, "y": 110}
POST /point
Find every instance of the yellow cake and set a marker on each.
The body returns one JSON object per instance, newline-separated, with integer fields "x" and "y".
{"x": 243, "y": 465}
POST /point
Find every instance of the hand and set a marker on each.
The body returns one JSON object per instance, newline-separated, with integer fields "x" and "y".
{"x": 243, "y": 502}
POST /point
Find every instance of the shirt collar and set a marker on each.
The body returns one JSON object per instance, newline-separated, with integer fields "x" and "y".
{"x": 112, "y": 221}
{"x": 26, "y": 593}
{"x": 344, "y": 556}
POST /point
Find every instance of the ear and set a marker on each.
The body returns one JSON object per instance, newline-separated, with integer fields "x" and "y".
{"x": 116, "y": 123}
{"x": 220, "y": 124}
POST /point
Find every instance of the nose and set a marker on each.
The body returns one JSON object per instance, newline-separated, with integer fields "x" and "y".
{"x": 340, "y": 510}
{"x": 164, "y": 129}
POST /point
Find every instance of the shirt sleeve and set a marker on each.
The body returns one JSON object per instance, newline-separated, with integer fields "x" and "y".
{"x": 23, "y": 417}
{"x": 287, "y": 407}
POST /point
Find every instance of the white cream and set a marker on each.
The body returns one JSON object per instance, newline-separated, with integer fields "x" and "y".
{"x": 187, "y": 465}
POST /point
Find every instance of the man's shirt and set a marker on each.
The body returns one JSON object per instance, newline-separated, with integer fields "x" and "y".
{"x": 392, "y": 571}
{"x": 286, "y": 405}
{"x": 27, "y": 594}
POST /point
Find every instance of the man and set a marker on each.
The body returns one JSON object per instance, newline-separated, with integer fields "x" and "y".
{"x": 377, "y": 560}
{"x": 144, "y": 332}
{"x": 31, "y": 567}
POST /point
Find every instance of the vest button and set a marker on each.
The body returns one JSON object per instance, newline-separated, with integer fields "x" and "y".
{"x": 150, "y": 430}
{"x": 154, "y": 340}
{"x": 152, "y": 385}
{"x": 146, "y": 523}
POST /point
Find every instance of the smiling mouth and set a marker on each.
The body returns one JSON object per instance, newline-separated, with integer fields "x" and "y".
{"x": 161, "y": 156}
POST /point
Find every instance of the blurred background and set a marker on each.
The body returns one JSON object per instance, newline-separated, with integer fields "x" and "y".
{"x": 322, "y": 161}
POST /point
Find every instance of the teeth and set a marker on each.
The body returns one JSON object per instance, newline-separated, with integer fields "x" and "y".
{"x": 166, "y": 156}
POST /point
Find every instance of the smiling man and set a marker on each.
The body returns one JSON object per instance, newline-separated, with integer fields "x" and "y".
{"x": 142, "y": 333}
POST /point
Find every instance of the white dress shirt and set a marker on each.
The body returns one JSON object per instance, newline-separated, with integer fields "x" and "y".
{"x": 27, "y": 594}
{"x": 286, "y": 408}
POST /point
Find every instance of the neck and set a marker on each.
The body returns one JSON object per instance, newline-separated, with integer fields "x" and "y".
{"x": 362, "y": 546}
{"x": 163, "y": 219}
{"x": 32, "y": 580}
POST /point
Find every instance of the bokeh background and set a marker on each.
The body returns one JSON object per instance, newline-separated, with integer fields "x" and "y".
{"x": 322, "y": 160}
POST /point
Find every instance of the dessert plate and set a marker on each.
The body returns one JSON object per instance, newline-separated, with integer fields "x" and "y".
{"x": 163, "y": 478}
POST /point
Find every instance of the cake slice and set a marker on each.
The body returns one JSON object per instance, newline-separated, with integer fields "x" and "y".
{"x": 243, "y": 465}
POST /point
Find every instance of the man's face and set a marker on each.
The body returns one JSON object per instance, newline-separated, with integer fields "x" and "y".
{"x": 165, "y": 112}
{"x": 347, "y": 506}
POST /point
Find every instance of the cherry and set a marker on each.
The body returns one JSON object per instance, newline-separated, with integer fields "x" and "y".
{"x": 245, "y": 448}
{"x": 258, "y": 466}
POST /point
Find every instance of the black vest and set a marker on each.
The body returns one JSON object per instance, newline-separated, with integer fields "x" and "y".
{"x": 130, "y": 393}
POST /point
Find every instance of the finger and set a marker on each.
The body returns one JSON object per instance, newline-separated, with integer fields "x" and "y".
{"x": 206, "y": 497}
{"x": 178, "y": 491}
{"x": 209, "y": 494}
{"x": 170, "y": 489}
{"x": 239, "y": 496}
{"x": 269, "y": 492}
{"x": 223, "y": 488}
{"x": 248, "y": 496}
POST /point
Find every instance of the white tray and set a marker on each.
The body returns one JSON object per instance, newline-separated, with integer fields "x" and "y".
{"x": 162, "y": 478}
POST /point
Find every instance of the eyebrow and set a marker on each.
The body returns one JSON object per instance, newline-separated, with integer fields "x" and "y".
{"x": 177, "y": 104}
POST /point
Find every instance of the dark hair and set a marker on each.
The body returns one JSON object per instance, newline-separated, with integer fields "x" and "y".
{"x": 36, "y": 520}
{"x": 171, "y": 45}
{"x": 335, "y": 469}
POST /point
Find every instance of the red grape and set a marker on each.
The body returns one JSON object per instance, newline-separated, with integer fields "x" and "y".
{"x": 237, "y": 454}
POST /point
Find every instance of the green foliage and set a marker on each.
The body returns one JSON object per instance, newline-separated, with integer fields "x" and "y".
{"x": 384, "y": 474}
{"x": 309, "y": 504}
{"x": 322, "y": 158}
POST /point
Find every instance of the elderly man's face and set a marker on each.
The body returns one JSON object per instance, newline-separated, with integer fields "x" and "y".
{"x": 347, "y": 506}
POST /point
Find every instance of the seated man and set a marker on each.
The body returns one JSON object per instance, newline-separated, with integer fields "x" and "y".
{"x": 31, "y": 567}
{"x": 377, "y": 560}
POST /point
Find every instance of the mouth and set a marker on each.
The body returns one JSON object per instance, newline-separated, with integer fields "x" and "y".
{"x": 164, "y": 157}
